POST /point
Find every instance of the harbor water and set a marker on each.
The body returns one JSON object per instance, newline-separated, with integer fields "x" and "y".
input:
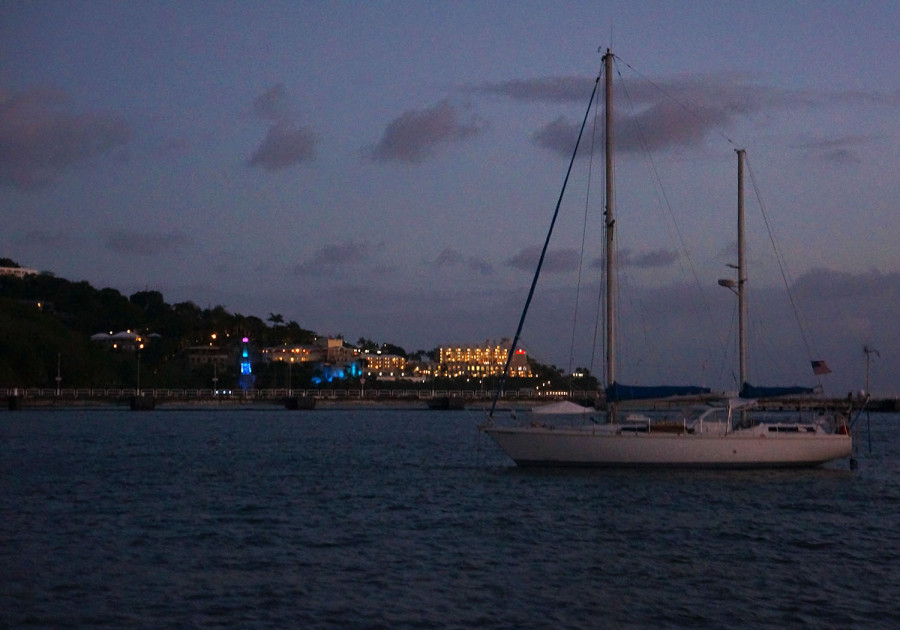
{"x": 386, "y": 518}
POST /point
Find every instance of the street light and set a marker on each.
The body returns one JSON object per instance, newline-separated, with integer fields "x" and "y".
{"x": 138, "y": 388}
{"x": 869, "y": 350}
{"x": 215, "y": 362}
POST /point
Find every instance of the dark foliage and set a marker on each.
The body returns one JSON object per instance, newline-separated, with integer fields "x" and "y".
{"x": 46, "y": 324}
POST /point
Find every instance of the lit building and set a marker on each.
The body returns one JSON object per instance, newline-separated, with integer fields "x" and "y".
{"x": 19, "y": 272}
{"x": 126, "y": 340}
{"x": 384, "y": 365}
{"x": 478, "y": 361}
{"x": 333, "y": 351}
{"x": 291, "y": 354}
{"x": 332, "y": 358}
{"x": 207, "y": 355}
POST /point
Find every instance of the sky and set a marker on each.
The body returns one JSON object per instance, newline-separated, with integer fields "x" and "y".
{"x": 389, "y": 170}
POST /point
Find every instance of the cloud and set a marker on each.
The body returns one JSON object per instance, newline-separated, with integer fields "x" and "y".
{"x": 273, "y": 105}
{"x": 543, "y": 89}
{"x": 842, "y": 311}
{"x": 451, "y": 258}
{"x": 660, "y": 125}
{"x": 556, "y": 261}
{"x": 415, "y": 134}
{"x": 141, "y": 243}
{"x": 480, "y": 266}
{"x": 674, "y": 112}
{"x": 558, "y": 136}
{"x": 39, "y": 140}
{"x": 656, "y": 259}
{"x": 283, "y": 147}
{"x": 329, "y": 259}
{"x": 829, "y": 284}
{"x": 841, "y": 150}
{"x": 54, "y": 239}
{"x": 286, "y": 143}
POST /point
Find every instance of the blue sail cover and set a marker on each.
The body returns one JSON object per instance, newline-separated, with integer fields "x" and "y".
{"x": 618, "y": 392}
{"x": 750, "y": 391}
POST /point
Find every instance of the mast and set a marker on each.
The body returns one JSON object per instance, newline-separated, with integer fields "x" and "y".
{"x": 742, "y": 277}
{"x": 610, "y": 223}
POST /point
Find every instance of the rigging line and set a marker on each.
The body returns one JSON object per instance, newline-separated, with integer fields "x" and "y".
{"x": 682, "y": 105}
{"x": 782, "y": 267}
{"x": 537, "y": 272}
{"x": 587, "y": 199}
{"x": 663, "y": 199}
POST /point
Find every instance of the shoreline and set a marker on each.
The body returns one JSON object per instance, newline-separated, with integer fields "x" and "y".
{"x": 326, "y": 403}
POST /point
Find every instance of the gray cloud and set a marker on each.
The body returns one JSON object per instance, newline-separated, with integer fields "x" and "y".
{"x": 672, "y": 112}
{"x": 416, "y": 134}
{"x": 556, "y": 261}
{"x": 273, "y": 105}
{"x": 660, "y": 120}
{"x": 829, "y": 284}
{"x": 480, "y": 266}
{"x": 840, "y": 150}
{"x": 46, "y": 238}
{"x": 39, "y": 140}
{"x": 543, "y": 89}
{"x": 286, "y": 143}
{"x": 141, "y": 243}
{"x": 647, "y": 260}
{"x": 284, "y": 146}
{"x": 451, "y": 258}
{"x": 329, "y": 259}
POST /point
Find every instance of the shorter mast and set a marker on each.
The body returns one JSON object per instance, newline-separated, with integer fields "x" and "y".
{"x": 610, "y": 224}
{"x": 742, "y": 277}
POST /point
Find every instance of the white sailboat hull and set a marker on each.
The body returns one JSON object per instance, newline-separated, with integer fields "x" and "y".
{"x": 604, "y": 446}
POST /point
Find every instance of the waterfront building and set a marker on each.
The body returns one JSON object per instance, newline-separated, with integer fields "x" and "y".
{"x": 19, "y": 272}
{"x": 208, "y": 355}
{"x": 481, "y": 360}
{"x": 332, "y": 358}
{"x": 126, "y": 340}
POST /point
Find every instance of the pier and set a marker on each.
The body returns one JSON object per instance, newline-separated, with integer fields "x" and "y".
{"x": 18, "y": 398}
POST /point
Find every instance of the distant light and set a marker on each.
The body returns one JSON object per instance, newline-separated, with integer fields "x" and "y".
{"x": 245, "y": 339}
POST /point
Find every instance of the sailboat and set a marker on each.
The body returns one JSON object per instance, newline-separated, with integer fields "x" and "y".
{"x": 722, "y": 433}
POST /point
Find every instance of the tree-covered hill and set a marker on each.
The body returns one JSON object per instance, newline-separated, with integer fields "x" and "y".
{"x": 47, "y": 322}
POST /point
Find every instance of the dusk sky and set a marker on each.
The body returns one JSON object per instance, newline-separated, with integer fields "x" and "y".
{"x": 389, "y": 169}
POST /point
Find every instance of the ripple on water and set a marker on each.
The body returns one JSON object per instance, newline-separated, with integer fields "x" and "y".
{"x": 379, "y": 519}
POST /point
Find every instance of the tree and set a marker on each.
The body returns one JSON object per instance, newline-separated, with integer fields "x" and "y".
{"x": 390, "y": 348}
{"x": 366, "y": 344}
{"x": 154, "y": 309}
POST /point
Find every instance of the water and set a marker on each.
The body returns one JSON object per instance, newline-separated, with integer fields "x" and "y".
{"x": 411, "y": 519}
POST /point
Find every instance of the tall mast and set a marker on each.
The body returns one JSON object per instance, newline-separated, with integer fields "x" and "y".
{"x": 610, "y": 226}
{"x": 742, "y": 277}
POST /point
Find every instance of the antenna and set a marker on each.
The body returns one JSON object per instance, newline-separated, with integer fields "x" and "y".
{"x": 869, "y": 351}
